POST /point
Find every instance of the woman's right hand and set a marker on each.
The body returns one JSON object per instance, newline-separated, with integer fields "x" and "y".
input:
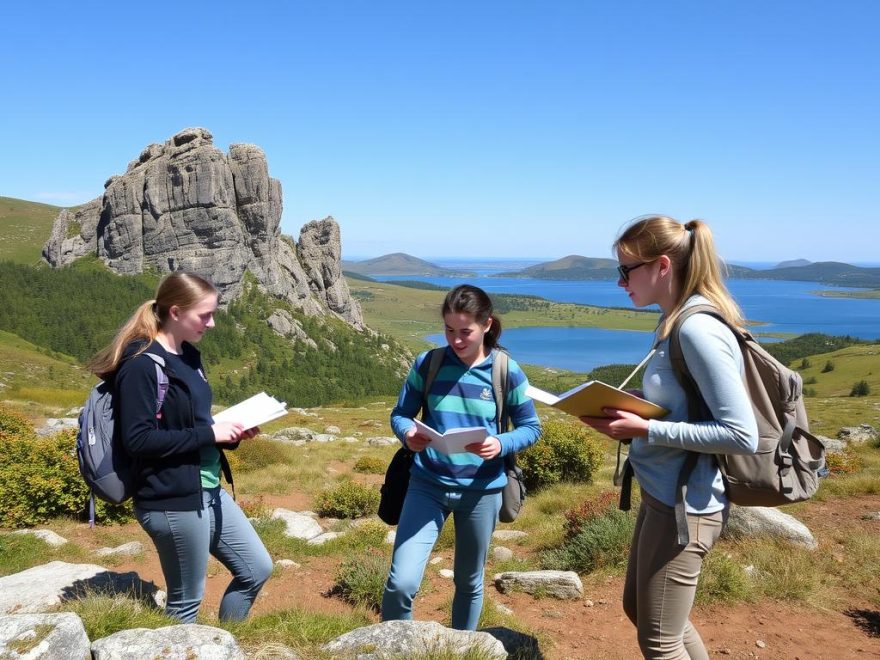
{"x": 414, "y": 441}
{"x": 227, "y": 433}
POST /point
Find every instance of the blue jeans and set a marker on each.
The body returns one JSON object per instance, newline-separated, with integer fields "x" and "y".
{"x": 185, "y": 538}
{"x": 425, "y": 509}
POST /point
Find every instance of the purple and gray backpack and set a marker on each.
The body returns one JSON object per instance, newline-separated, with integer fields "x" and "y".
{"x": 103, "y": 463}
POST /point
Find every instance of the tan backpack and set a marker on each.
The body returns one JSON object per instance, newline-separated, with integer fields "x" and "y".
{"x": 789, "y": 461}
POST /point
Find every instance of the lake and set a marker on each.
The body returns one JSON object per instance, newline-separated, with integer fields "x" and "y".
{"x": 787, "y": 307}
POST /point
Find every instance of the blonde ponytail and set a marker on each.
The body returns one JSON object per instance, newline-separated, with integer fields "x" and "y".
{"x": 180, "y": 289}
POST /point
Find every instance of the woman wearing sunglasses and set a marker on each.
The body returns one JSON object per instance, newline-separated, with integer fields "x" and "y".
{"x": 675, "y": 266}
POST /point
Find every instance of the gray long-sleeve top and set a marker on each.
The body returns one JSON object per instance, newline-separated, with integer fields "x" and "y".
{"x": 715, "y": 361}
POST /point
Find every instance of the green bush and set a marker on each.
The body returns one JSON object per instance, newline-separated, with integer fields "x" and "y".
{"x": 39, "y": 477}
{"x": 812, "y": 380}
{"x": 370, "y": 465}
{"x": 589, "y": 510}
{"x": 348, "y": 499}
{"x": 602, "y": 542}
{"x": 567, "y": 452}
{"x": 860, "y": 389}
{"x": 829, "y": 366}
{"x": 805, "y": 364}
{"x": 360, "y": 580}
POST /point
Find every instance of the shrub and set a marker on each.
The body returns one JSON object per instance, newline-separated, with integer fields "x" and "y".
{"x": 348, "y": 499}
{"x": 567, "y": 451}
{"x": 360, "y": 579}
{"x": 812, "y": 380}
{"x": 13, "y": 424}
{"x": 810, "y": 391}
{"x": 722, "y": 580}
{"x": 602, "y": 542}
{"x": 591, "y": 509}
{"x": 843, "y": 463}
{"x": 258, "y": 453}
{"x": 860, "y": 389}
{"x": 39, "y": 480}
{"x": 370, "y": 465}
{"x": 805, "y": 363}
{"x": 829, "y": 366}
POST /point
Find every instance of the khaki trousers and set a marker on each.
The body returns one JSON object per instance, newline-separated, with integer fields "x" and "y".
{"x": 661, "y": 579}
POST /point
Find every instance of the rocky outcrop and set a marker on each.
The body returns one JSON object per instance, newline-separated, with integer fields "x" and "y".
{"x": 185, "y": 204}
{"x": 43, "y": 636}
{"x": 180, "y": 641}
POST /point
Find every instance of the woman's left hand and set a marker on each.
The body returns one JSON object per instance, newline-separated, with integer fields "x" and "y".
{"x": 488, "y": 448}
{"x": 619, "y": 425}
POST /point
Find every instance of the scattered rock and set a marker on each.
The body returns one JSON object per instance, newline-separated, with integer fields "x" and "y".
{"x": 43, "y": 636}
{"x": 500, "y": 553}
{"x": 503, "y": 609}
{"x": 41, "y": 588}
{"x": 588, "y": 603}
{"x": 436, "y": 560}
{"x": 298, "y": 525}
{"x": 321, "y": 539}
{"x": 565, "y": 585}
{"x": 858, "y": 435}
{"x": 405, "y": 639}
{"x": 390, "y": 537}
{"x": 446, "y": 573}
{"x": 874, "y": 515}
{"x": 46, "y": 535}
{"x": 832, "y": 446}
{"x": 287, "y": 564}
{"x": 768, "y": 521}
{"x": 126, "y": 549}
{"x": 508, "y": 534}
{"x": 293, "y": 434}
{"x": 760, "y": 644}
{"x": 56, "y": 425}
{"x": 333, "y": 430}
{"x": 383, "y": 441}
{"x": 178, "y": 642}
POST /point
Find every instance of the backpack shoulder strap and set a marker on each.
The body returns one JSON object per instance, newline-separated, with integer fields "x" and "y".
{"x": 500, "y": 388}
{"x": 428, "y": 370}
{"x": 161, "y": 378}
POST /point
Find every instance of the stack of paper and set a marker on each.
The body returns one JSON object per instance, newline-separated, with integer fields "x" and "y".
{"x": 259, "y": 409}
{"x": 453, "y": 441}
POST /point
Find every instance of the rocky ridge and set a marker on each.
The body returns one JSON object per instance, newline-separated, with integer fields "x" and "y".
{"x": 184, "y": 204}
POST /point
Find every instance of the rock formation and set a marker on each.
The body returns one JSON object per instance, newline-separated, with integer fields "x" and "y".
{"x": 185, "y": 204}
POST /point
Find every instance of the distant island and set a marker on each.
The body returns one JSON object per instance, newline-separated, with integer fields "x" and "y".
{"x": 576, "y": 267}
{"x": 572, "y": 267}
{"x": 400, "y": 263}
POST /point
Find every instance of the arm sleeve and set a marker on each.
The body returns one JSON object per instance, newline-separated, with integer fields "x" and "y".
{"x": 713, "y": 357}
{"x": 136, "y": 390}
{"x": 409, "y": 402}
{"x": 524, "y": 419}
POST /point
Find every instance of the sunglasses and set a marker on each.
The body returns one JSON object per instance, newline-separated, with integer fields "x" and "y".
{"x": 626, "y": 270}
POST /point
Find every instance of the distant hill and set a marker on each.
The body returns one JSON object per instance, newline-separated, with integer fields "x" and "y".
{"x": 399, "y": 263}
{"x": 572, "y": 267}
{"x": 575, "y": 267}
{"x": 24, "y": 228}
{"x": 793, "y": 263}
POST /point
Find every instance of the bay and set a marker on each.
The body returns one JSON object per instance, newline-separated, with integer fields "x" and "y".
{"x": 780, "y": 306}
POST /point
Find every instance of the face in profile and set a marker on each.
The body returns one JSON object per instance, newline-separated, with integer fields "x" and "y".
{"x": 190, "y": 324}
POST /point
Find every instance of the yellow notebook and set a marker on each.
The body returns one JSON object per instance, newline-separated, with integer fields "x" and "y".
{"x": 588, "y": 399}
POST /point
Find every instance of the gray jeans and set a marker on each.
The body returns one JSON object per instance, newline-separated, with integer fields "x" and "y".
{"x": 184, "y": 539}
{"x": 661, "y": 579}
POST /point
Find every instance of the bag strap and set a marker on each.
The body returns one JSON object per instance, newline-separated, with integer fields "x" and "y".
{"x": 500, "y": 388}
{"x": 428, "y": 369}
{"x": 161, "y": 378}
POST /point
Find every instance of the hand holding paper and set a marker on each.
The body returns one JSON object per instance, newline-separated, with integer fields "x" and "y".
{"x": 454, "y": 441}
{"x": 259, "y": 409}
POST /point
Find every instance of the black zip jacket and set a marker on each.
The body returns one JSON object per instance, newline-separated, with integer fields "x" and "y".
{"x": 166, "y": 449}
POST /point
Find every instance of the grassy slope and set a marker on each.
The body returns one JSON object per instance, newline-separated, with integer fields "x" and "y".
{"x": 24, "y": 229}
{"x": 43, "y": 382}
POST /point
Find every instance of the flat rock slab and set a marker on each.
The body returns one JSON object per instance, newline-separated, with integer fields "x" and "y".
{"x": 43, "y": 636}
{"x": 406, "y": 639}
{"x": 124, "y": 550}
{"x": 41, "y": 588}
{"x": 298, "y": 525}
{"x": 767, "y": 521}
{"x": 46, "y": 535}
{"x": 181, "y": 642}
{"x": 508, "y": 534}
{"x": 565, "y": 585}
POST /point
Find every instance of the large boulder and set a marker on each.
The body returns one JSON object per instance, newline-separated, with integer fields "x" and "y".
{"x": 766, "y": 521}
{"x": 42, "y": 588}
{"x": 180, "y": 642}
{"x": 407, "y": 639}
{"x": 184, "y": 204}
{"x": 43, "y": 636}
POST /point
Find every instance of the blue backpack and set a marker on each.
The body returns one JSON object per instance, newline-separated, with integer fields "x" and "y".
{"x": 103, "y": 463}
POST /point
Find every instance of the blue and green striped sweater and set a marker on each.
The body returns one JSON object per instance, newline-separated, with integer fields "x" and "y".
{"x": 461, "y": 397}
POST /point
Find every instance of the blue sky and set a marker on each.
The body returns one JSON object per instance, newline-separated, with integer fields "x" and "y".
{"x": 463, "y": 129}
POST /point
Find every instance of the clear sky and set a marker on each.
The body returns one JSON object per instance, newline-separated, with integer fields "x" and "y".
{"x": 463, "y": 129}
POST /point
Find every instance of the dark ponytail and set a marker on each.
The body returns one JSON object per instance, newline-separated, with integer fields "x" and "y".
{"x": 467, "y": 299}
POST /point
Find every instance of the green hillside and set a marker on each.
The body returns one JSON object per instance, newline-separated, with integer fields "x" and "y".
{"x": 399, "y": 263}
{"x": 572, "y": 267}
{"x": 24, "y": 229}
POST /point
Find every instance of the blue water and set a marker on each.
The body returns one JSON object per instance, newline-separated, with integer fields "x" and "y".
{"x": 784, "y": 307}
